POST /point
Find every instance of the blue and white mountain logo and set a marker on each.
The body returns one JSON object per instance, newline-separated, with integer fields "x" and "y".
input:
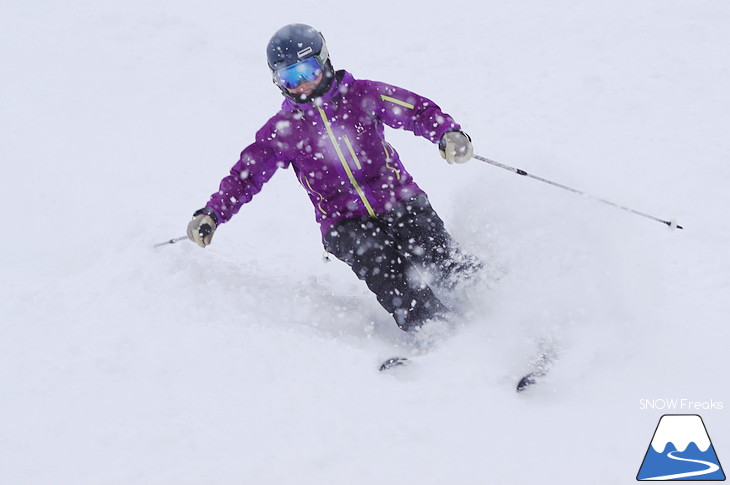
{"x": 681, "y": 450}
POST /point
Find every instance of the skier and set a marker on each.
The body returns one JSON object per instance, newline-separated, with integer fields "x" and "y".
{"x": 371, "y": 213}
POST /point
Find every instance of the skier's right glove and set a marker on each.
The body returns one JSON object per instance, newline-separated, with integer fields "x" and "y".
{"x": 201, "y": 228}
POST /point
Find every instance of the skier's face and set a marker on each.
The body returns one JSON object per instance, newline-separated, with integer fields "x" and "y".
{"x": 306, "y": 88}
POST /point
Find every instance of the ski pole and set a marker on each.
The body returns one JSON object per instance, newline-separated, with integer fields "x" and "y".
{"x": 671, "y": 224}
{"x": 171, "y": 241}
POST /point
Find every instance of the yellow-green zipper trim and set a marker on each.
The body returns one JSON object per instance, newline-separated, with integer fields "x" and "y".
{"x": 387, "y": 161}
{"x": 345, "y": 164}
{"x": 321, "y": 197}
{"x": 397, "y": 101}
{"x": 352, "y": 152}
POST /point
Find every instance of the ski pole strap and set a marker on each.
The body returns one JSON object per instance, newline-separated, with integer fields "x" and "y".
{"x": 671, "y": 224}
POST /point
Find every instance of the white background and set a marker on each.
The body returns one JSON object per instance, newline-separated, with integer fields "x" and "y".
{"x": 254, "y": 362}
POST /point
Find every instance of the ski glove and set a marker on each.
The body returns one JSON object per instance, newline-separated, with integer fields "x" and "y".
{"x": 201, "y": 228}
{"x": 455, "y": 147}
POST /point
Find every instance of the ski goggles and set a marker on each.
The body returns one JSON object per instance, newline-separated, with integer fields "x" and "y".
{"x": 303, "y": 71}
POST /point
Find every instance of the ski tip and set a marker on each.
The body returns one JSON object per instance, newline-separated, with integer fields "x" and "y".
{"x": 526, "y": 382}
{"x": 529, "y": 380}
{"x": 393, "y": 362}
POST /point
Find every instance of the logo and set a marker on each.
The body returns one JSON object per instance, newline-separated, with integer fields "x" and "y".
{"x": 681, "y": 450}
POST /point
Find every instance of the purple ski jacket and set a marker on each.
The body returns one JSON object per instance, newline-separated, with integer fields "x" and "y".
{"x": 336, "y": 146}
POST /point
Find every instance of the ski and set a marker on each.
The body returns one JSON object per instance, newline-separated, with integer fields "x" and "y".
{"x": 530, "y": 379}
{"x": 394, "y": 362}
{"x": 541, "y": 364}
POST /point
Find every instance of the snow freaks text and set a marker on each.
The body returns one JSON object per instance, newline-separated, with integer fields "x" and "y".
{"x": 680, "y": 405}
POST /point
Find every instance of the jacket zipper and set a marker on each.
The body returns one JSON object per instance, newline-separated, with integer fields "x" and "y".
{"x": 345, "y": 165}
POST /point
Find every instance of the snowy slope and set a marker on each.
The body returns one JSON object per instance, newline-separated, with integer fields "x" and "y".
{"x": 254, "y": 362}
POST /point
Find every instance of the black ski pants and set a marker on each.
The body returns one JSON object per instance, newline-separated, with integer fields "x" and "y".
{"x": 390, "y": 252}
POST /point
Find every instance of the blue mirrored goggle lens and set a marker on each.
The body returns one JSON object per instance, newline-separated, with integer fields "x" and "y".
{"x": 292, "y": 76}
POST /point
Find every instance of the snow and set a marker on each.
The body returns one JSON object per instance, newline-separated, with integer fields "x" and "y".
{"x": 252, "y": 361}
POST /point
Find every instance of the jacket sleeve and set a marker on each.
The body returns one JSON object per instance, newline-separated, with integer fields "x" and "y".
{"x": 255, "y": 167}
{"x": 400, "y": 108}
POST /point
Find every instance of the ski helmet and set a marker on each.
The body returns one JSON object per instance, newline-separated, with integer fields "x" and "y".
{"x": 294, "y": 44}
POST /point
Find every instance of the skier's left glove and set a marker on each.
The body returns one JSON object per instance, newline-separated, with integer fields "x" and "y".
{"x": 455, "y": 147}
{"x": 202, "y": 227}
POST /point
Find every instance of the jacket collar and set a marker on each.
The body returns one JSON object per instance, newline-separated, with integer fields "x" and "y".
{"x": 342, "y": 80}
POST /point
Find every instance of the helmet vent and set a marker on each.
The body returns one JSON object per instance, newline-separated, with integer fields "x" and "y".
{"x": 305, "y": 51}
